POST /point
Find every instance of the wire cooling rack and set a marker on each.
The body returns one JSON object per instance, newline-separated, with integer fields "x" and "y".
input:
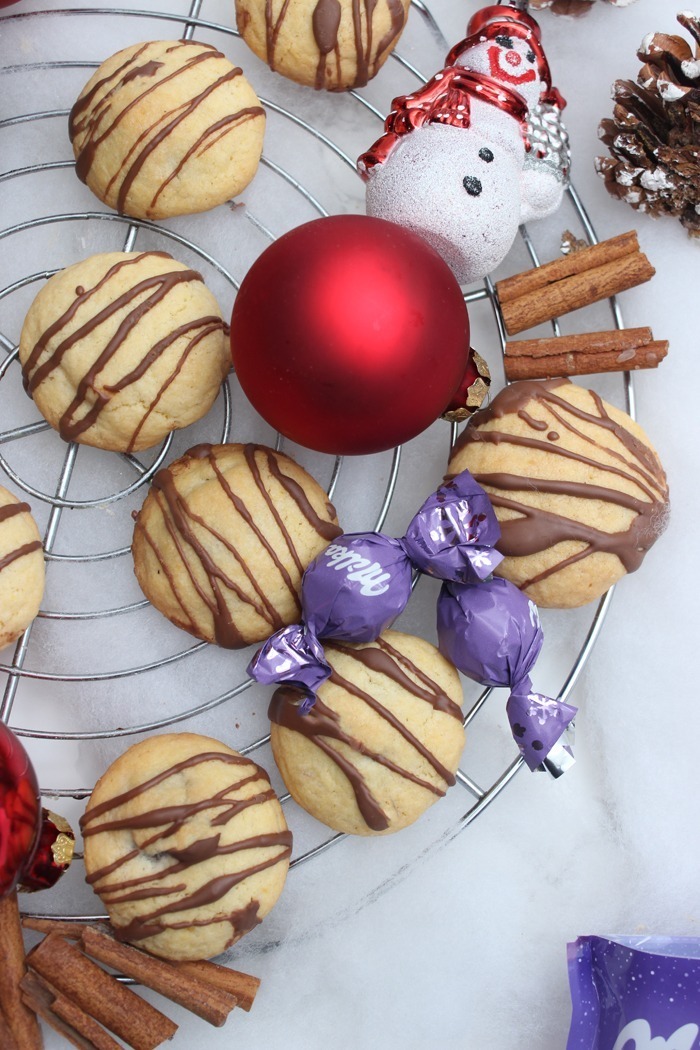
{"x": 99, "y": 667}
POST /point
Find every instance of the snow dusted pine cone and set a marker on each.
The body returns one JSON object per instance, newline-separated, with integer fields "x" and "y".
{"x": 654, "y": 132}
{"x": 573, "y": 7}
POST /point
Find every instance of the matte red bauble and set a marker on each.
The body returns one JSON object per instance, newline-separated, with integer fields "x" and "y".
{"x": 350, "y": 335}
{"x": 20, "y": 810}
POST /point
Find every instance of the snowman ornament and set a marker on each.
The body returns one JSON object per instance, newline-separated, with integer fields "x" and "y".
{"x": 454, "y": 163}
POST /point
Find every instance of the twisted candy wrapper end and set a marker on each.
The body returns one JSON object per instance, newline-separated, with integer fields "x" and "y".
{"x": 538, "y": 723}
{"x": 295, "y": 656}
{"x": 453, "y": 534}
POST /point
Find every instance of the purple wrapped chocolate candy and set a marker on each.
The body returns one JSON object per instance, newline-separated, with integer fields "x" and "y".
{"x": 356, "y": 587}
{"x": 491, "y": 632}
{"x": 453, "y": 535}
{"x": 359, "y": 584}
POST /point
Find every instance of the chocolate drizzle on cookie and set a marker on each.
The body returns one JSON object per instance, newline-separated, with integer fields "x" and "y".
{"x": 322, "y": 724}
{"x": 326, "y": 20}
{"x": 94, "y": 118}
{"x": 169, "y": 859}
{"x": 11, "y": 510}
{"x": 608, "y": 448}
{"x": 195, "y": 538}
{"x": 92, "y": 394}
{"x": 325, "y": 23}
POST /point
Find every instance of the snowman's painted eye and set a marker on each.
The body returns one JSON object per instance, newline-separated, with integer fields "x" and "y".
{"x": 486, "y": 154}
{"x": 472, "y": 185}
{"x": 504, "y": 41}
{"x": 530, "y": 56}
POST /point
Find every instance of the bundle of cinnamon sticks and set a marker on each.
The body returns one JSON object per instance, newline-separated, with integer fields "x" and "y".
{"x": 62, "y": 981}
{"x": 585, "y": 276}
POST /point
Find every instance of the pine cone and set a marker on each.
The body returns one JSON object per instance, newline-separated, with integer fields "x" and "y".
{"x": 572, "y": 7}
{"x": 654, "y": 134}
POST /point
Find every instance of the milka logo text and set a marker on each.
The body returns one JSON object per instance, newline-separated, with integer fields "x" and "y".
{"x": 373, "y": 581}
{"x": 637, "y": 1036}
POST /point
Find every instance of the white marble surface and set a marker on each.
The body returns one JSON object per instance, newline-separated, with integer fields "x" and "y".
{"x": 468, "y": 948}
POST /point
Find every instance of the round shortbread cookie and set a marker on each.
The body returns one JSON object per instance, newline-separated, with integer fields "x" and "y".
{"x": 186, "y": 845}
{"x": 122, "y": 348}
{"x": 577, "y": 487}
{"x": 21, "y": 567}
{"x": 331, "y": 44}
{"x": 167, "y": 127}
{"x": 381, "y": 743}
{"x": 223, "y": 539}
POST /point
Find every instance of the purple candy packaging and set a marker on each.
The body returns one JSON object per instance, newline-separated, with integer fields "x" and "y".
{"x": 634, "y": 993}
{"x": 489, "y": 630}
{"x": 362, "y": 582}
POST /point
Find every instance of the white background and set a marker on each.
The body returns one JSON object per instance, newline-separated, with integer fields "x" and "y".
{"x": 469, "y": 949}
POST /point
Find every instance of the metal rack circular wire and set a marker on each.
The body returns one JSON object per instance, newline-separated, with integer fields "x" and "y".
{"x": 34, "y": 665}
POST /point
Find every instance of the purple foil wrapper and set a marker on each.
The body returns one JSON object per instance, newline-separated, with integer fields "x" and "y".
{"x": 293, "y": 655}
{"x": 537, "y": 722}
{"x": 356, "y": 587}
{"x": 491, "y": 632}
{"x": 454, "y": 533}
{"x": 361, "y": 582}
{"x": 629, "y": 992}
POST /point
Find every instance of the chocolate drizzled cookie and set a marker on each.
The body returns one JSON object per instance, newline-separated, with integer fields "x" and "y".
{"x": 186, "y": 845}
{"x": 21, "y": 567}
{"x": 122, "y": 348}
{"x": 223, "y": 539}
{"x": 578, "y": 489}
{"x": 167, "y": 128}
{"x": 331, "y": 44}
{"x": 382, "y": 740}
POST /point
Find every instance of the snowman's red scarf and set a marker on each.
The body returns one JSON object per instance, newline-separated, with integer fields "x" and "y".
{"x": 446, "y": 99}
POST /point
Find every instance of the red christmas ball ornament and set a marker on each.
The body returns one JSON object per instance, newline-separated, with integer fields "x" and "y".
{"x": 350, "y": 335}
{"x": 36, "y": 846}
{"x": 20, "y": 811}
{"x": 53, "y": 855}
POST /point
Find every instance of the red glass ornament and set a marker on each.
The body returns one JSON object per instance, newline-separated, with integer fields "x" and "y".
{"x": 20, "y": 810}
{"x": 350, "y": 335}
{"x": 53, "y": 854}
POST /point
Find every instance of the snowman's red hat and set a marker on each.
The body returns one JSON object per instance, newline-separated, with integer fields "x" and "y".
{"x": 499, "y": 13}
{"x": 499, "y": 20}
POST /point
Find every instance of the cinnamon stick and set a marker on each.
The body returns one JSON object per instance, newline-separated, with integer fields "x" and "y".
{"x": 241, "y": 985}
{"x": 608, "y": 351}
{"x": 7, "y": 1040}
{"x": 577, "y": 262}
{"x": 98, "y": 994}
{"x": 64, "y": 1016}
{"x": 21, "y": 1021}
{"x": 71, "y": 929}
{"x": 572, "y": 282}
{"x": 205, "y": 1000}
